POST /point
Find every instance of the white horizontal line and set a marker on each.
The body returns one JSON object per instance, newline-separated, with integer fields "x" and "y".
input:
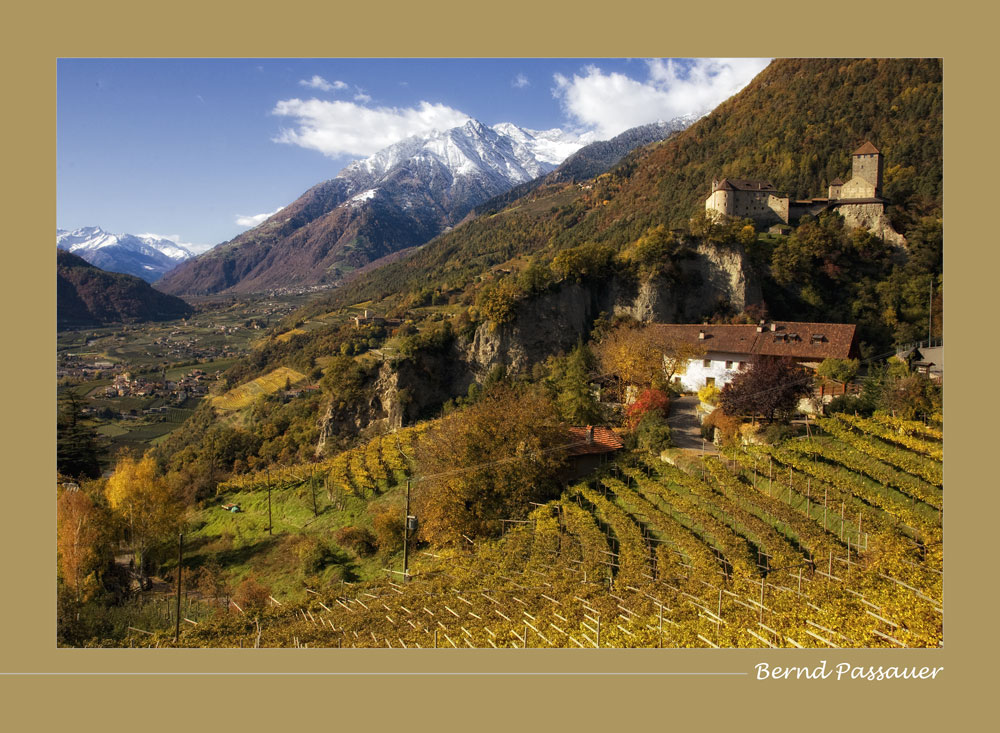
{"x": 285, "y": 674}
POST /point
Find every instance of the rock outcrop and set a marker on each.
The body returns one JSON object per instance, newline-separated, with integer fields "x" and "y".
{"x": 404, "y": 390}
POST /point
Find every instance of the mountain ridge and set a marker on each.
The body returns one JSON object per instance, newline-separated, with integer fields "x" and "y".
{"x": 397, "y": 198}
{"x": 143, "y": 255}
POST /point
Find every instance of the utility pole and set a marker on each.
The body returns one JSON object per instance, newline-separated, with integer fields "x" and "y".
{"x": 406, "y": 535}
{"x": 269, "y": 501}
{"x": 180, "y": 559}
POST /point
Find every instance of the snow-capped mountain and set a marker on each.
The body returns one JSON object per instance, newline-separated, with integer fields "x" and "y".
{"x": 499, "y": 156}
{"x": 401, "y": 196}
{"x": 142, "y": 255}
{"x": 549, "y": 146}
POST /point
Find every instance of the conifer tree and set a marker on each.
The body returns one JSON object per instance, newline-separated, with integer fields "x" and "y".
{"x": 574, "y": 399}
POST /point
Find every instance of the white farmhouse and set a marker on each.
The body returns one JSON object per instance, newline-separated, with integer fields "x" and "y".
{"x": 730, "y": 348}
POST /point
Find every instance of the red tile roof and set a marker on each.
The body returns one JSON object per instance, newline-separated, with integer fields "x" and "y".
{"x": 790, "y": 338}
{"x": 604, "y": 441}
{"x": 866, "y": 149}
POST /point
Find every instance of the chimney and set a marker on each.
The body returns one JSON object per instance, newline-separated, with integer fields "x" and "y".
{"x": 774, "y": 326}
{"x": 701, "y": 335}
{"x": 590, "y": 434}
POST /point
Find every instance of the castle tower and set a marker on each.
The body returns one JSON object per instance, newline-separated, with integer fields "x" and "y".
{"x": 867, "y": 165}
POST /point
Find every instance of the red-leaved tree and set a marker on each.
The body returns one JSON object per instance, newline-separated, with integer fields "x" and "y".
{"x": 649, "y": 400}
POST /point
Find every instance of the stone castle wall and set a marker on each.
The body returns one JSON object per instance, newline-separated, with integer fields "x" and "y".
{"x": 857, "y": 188}
{"x": 761, "y": 206}
{"x": 720, "y": 202}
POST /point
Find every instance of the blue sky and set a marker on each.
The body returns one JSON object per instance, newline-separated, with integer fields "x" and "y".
{"x": 198, "y": 150}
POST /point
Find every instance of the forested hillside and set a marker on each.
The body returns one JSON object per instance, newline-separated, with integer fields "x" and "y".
{"x": 89, "y": 296}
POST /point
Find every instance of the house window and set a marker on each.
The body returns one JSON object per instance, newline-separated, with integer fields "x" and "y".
{"x": 706, "y": 363}
{"x": 729, "y": 365}
{"x": 709, "y": 381}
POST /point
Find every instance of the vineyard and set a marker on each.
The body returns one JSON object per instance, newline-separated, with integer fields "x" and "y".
{"x": 239, "y": 397}
{"x": 829, "y": 541}
{"x": 365, "y": 471}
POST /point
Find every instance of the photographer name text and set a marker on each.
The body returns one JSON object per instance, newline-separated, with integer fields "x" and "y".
{"x": 844, "y": 671}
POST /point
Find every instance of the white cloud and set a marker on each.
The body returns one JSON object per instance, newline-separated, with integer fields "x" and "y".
{"x": 318, "y": 82}
{"x": 255, "y": 219}
{"x": 610, "y": 103}
{"x": 520, "y": 82}
{"x": 362, "y": 98}
{"x": 345, "y": 128}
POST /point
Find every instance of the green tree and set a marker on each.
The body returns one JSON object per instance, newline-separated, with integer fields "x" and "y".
{"x": 498, "y": 303}
{"x": 536, "y": 277}
{"x": 589, "y": 260}
{"x": 843, "y": 370}
{"x": 77, "y": 449}
{"x": 574, "y": 398}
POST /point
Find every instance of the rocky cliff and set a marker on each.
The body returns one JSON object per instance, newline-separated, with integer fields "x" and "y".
{"x": 404, "y": 390}
{"x": 713, "y": 276}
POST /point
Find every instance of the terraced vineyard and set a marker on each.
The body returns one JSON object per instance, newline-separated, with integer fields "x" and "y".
{"x": 364, "y": 471}
{"x": 813, "y": 543}
{"x": 242, "y": 396}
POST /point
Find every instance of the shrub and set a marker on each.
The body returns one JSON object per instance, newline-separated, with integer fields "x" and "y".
{"x": 777, "y": 432}
{"x": 850, "y": 404}
{"x": 388, "y": 526}
{"x": 315, "y": 555}
{"x": 709, "y": 394}
{"x": 251, "y": 595}
{"x": 653, "y": 433}
{"x": 728, "y": 426}
{"x": 358, "y": 539}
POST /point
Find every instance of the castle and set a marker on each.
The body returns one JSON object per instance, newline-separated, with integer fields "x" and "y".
{"x": 859, "y": 200}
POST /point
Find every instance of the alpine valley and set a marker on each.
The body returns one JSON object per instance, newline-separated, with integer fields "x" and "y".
{"x": 663, "y": 390}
